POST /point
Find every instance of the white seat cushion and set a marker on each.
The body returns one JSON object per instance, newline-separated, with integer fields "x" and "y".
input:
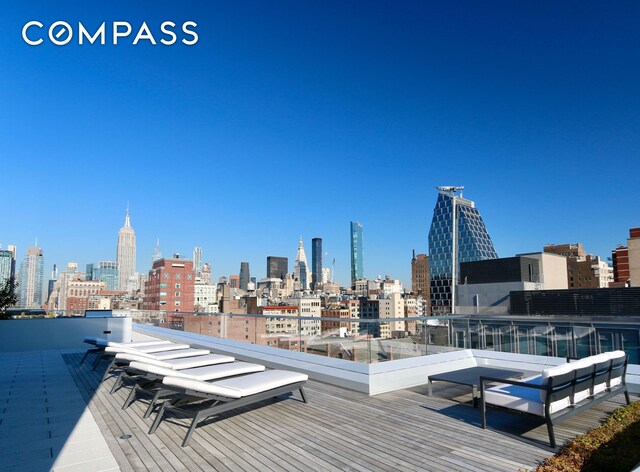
{"x": 177, "y": 354}
{"x": 210, "y": 372}
{"x": 134, "y": 345}
{"x": 173, "y": 363}
{"x": 522, "y": 398}
{"x": 239, "y": 387}
{"x": 167, "y": 346}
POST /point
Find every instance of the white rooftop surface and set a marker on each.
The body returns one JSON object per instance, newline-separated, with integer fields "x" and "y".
{"x": 44, "y": 422}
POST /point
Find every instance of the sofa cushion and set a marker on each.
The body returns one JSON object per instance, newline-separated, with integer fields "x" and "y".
{"x": 523, "y": 399}
{"x": 239, "y": 387}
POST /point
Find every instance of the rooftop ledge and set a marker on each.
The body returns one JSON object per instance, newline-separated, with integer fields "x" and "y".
{"x": 372, "y": 379}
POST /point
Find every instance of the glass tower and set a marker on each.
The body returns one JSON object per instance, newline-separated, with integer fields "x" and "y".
{"x": 356, "y": 252}
{"x": 277, "y": 267}
{"x": 454, "y": 215}
{"x": 316, "y": 262}
{"x": 7, "y": 266}
{"x": 106, "y": 271}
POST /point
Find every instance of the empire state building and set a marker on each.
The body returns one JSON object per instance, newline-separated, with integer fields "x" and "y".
{"x": 126, "y": 253}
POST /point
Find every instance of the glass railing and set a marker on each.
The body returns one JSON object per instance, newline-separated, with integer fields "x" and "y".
{"x": 382, "y": 339}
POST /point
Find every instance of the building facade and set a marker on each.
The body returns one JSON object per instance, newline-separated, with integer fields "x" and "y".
{"x": 126, "y": 253}
{"x": 277, "y": 267}
{"x": 457, "y": 234}
{"x": 79, "y": 293}
{"x": 170, "y": 286}
{"x": 197, "y": 261}
{"x": 245, "y": 276}
{"x": 620, "y": 262}
{"x": 420, "y": 278}
{"x": 357, "y": 264}
{"x": 301, "y": 269}
{"x": 633, "y": 248}
{"x": 31, "y": 278}
{"x": 7, "y": 266}
{"x": 583, "y": 270}
{"x": 106, "y": 271}
{"x": 316, "y": 263}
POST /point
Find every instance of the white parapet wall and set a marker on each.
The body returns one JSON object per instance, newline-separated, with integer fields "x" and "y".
{"x": 372, "y": 379}
{"x": 60, "y": 333}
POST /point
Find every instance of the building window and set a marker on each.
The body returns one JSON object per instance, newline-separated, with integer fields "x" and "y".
{"x": 177, "y": 276}
{"x": 177, "y": 294}
{"x": 177, "y": 302}
{"x": 177, "y": 285}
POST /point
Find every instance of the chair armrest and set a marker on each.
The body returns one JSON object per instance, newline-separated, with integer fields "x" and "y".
{"x": 510, "y": 382}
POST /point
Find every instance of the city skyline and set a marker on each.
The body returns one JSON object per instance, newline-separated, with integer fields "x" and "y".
{"x": 532, "y": 107}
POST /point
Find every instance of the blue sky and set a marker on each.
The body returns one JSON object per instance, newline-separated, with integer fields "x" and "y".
{"x": 294, "y": 118}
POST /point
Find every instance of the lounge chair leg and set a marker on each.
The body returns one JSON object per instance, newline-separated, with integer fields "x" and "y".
{"x": 108, "y": 371}
{"x": 552, "y": 437}
{"x": 117, "y": 383}
{"x": 626, "y": 397}
{"x": 304, "y": 398}
{"x": 131, "y": 398}
{"x": 483, "y": 412}
{"x": 158, "y": 419}
{"x": 97, "y": 361}
{"x": 152, "y": 404}
{"x": 85, "y": 356}
{"x": 194, "y": 423}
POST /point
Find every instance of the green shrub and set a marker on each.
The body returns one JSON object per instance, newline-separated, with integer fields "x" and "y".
{"x": 613, "y": 446}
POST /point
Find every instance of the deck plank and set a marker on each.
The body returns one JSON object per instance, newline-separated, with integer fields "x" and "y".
{"x": 338, "y": 429}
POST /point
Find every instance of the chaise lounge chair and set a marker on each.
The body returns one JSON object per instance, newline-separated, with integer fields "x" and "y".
{"x": 101, "y": 343}
{"x": 148, "y": 378}
{"x": 197, "y": 358}
{"x": 224, "y": 395}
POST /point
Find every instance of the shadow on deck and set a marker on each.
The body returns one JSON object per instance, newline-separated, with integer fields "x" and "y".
{"x": 338, "y": 429}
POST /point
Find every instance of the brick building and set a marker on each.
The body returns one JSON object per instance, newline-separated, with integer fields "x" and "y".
{"x": 170, "y": 286}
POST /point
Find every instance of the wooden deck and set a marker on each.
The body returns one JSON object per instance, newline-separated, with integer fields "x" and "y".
{"x": 337, "y": 430}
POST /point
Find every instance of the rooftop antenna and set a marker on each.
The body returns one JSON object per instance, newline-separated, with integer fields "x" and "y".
{"x": 450, "y": 189}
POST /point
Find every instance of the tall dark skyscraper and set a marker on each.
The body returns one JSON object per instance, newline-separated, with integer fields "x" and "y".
{"x": 357, "y": 271}
{"x": 277, "y": 267}
{"x": 316, "y": 262}
{"x": 457, "y": 235}
{"x": 244, "y": 275}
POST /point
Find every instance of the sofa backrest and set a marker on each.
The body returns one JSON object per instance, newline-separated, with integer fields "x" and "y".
{"x": 584, "y": 377}
{"x": 561, "y": 378}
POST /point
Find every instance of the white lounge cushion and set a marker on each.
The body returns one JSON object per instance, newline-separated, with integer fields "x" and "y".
{"x": 177, "y": 354}
{"x": 239, "y": 387}
{"x": 135, "y": 344}
{"x": 179, "y": 363}
{"x": 167, "y": 346}
{"x": 523, "y": 399}
{"x": 199, "y": 361}
{"x": 209, "y": 372}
